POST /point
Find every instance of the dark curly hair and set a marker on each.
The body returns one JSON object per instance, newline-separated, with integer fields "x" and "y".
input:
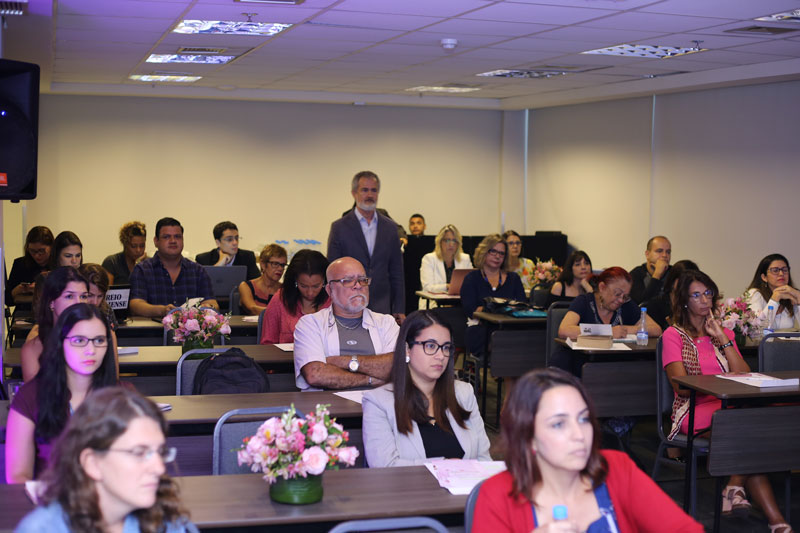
{"x": 102, "y": 417}
{"x": 308, "y": 262}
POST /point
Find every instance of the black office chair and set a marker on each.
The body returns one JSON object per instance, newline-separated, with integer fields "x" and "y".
{"x": 260, "y": 329}
{"x": 234, "y": 301}
{"x": 390, "y": 524}
{"x": 777, "y": 354}
{"x": 664, "y": 398}
{"x": 554, "y": 352}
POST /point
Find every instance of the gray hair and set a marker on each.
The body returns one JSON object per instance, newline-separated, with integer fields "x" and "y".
{"x": 364, "y": 174}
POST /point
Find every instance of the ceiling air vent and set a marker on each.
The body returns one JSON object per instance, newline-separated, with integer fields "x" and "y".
{"x": 8, "y": 8}
{"x": 761, "y": 30}
{"x": 200, "y": 50}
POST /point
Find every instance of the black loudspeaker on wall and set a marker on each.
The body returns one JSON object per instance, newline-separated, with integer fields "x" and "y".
{"x": 19, "y": 129}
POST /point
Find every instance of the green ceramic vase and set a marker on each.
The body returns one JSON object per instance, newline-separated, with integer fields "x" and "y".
{"x": 297, "y": 491}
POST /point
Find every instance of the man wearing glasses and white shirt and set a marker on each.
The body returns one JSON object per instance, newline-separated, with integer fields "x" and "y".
{"x": 227, "y": 252}
{"x": 345, "y": 345}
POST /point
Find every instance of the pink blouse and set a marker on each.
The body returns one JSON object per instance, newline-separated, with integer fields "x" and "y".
{"x": 278, "y": 325}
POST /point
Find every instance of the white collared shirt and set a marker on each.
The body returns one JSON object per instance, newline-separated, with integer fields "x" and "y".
{"x": 370, "y": 229}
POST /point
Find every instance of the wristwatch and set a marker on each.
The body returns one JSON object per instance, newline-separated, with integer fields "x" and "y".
{"x": 353, "y": 364}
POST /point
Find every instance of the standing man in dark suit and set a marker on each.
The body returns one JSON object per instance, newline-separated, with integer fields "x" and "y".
{"x": 371, "y": 238}
{"x": 227, "y": 252}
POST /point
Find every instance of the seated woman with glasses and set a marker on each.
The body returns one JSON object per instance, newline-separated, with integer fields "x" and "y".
{"x": 772, "y": 286}
{"x": 523, "y": 266}
{"x": 302, "y": 294}
{"x": 108, "y": 471}
{"x": 422, "y": 412}
{"x": 696, "y": 344}
{"x": 437, "y": 267}
{"x": 256, "y": 293}
{"x": 491, "y": 278}
{"x": 76, "y": 360}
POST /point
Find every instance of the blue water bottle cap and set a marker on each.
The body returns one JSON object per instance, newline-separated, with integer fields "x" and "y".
{"x": 559, "y": 512}
{"x": 644, "y": 309}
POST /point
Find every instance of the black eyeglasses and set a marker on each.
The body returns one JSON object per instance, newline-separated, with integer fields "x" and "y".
{"x": 498, "y": 253}
{"x": 79, "y": 341}
{"x": 430, "y": 347}
{"x": 708, "y": 294}
{"x": 779, "y": 270}
{"x": 276, "y": 264}
{"x": 349, "y": 283}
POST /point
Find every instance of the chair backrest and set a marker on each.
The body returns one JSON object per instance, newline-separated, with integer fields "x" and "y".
{"x": 457, "y": 320}
{"x": 664, "y": 392}
{"x": 228, "y": 435}
{"x": 386, "y": 524}
{"x": 187, "y": 369}
{"x": 555, "y": 314}
{"x": 260, "y": 329}
{"x": 469, "y": 509}
{"x": 233, "y": 302}
{"x": 777, "y": 354}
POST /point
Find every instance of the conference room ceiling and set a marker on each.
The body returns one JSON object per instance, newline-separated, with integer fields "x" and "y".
{"x": 373, "y": 51}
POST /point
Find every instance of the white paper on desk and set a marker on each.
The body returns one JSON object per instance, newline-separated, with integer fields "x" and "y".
{"x": 459, "y": 476}
{"x": 164, "y": 406}
{"x": 127, "y": 350}
{"x": 596, "y": 329}
{"x": 615, "y": 347}
{"x": 34, "y": 489}
{"x": 630, "y": 337}
{"x": 286, "y": 346}
{"x": 253, "y": 318}
{"x": 756, "y": 379}
{"x": 352, "y": 395}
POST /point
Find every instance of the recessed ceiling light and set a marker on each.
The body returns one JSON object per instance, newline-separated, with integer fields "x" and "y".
{"x": 645, "y": 50}
{"x": 284, "y": 2}
{"x": 442, "y": 89}
{"x": 521, "y": 73}
{"x": 230, "y": 27}
{"x": 13, "y": 7}
{"x": 164, "y": 77}
{"x": 787, "y": 16}
{"x": 185, "y": 58}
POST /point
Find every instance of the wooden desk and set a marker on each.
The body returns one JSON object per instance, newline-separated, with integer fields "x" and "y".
{"x": 243, "y": 500}
{"x": 438, "y": 297}
{"x": 141, "y": 331}
{"x": 732, "y": 393}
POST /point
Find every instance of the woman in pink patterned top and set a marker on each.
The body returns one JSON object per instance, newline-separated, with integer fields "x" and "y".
{"x": 302, "y": 294}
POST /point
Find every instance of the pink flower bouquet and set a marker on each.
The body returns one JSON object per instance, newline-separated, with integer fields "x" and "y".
{"x": 290, "y": 447}
{"x": 738, "y": 317}
{"x": 545, "y": 272}
{"x": 194, "y": 324}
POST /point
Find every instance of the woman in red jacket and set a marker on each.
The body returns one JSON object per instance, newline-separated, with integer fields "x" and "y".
{"x": 558, "y": 480}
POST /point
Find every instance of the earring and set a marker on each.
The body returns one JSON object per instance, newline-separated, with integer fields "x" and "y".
{"x": 408, "y": 359}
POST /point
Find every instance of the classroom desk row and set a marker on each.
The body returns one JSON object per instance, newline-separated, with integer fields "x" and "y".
{"x": 242, "y": 501}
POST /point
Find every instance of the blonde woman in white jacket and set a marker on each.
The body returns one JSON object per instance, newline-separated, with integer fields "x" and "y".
{"x": 438, "y": 266}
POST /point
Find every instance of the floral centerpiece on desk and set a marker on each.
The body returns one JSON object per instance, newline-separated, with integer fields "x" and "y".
{"x": 738, "y": 317}
{"x": 545, "y": 273}
{"x": 195, "y": 326}
{"x": 296, "y": 449}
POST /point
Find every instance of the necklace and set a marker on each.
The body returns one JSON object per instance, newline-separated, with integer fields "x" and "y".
{"x": 346, "y": 326}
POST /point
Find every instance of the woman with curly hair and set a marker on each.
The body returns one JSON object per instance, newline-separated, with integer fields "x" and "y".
{"x": 108, "y": 472}
{"x": 132, "y": 236}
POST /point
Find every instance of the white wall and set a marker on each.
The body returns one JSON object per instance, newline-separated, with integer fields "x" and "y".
{"x": 721, "y": 181}
{"x": 280, "y": 171}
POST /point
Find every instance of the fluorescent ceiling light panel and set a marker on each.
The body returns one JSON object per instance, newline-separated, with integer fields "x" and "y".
{"x": 435, "y": 89}
{"x": 230, "y": 27}
{"x": 284, "y": 2}
{"x": 788, "y": 16}
{"x": 185, "y": 58}
{"x": 645, "y": 50}
{"x": 520, "y": 73}
{"x": 164, "y": 77}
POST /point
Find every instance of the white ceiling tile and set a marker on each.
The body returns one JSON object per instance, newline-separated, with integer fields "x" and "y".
{"x": 725, "y": 30}
{"x": 735, "y": 57}
{"x": 120, "y": 8}
{"x": 314, "y": 30}
{"x": 783, "y": 47}
{"x": 599, "y": 35}
{"x": 657, "y": 22}
{"x": 482, "y": 27}
{"x": 430, "y": 8}
{"x": 722, "y": 8}
{"x": 508, "y": 57}
{"x": 709, "y": 40}
{"x": 465, "y": 41}
{"x": 263, "y": 13}
{"x": 540, "y": 14}
{"x": 375, "y": 21}
{"x": 114, "y": 23}
{"x": 547, "y": 45}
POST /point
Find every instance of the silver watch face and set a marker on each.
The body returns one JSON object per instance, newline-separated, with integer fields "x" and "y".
{"x": 353, "y": 365}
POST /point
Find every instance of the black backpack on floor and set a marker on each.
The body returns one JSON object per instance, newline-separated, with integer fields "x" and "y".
{"x": 230, "y": 372}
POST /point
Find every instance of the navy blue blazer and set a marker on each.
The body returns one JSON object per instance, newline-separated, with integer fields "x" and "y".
{"x": 243, "y": 257}
{"x": 385, "y": 267}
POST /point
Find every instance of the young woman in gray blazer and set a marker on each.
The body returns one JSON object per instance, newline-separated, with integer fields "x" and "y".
{"x": 422, "y": 413}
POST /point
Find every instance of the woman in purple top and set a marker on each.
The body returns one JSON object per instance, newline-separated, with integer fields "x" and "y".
{"x": 75, "y": 361}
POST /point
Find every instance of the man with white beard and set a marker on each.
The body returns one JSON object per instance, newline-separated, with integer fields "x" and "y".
{"x": 345, "y": 345}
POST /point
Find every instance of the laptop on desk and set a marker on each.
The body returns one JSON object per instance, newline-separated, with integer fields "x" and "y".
{"x": 224, "y": 279}
{"x": 118, "y": 298}
{"x": 457, "y": 279}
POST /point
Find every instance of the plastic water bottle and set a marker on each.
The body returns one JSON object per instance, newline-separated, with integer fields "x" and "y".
{"x": 641, "y": 335}
{"x": 770, "y": 327}
{"x": 559, "y": 512}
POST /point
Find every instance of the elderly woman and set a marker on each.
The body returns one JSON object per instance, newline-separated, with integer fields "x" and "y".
{"x": 256, "y": 293}
{"x": 523, "y": 267}
{"x": 21, "y": 280}
{"x": 772, "y": 286}
{"x": 108, "y": 471}
{"x": 422, "y": 412}
{"x": 67, "y": 251}
{"x": 573, "y": 280}
{"x": 303, "y": 293}
{"x": 132, "y": 236}
{"x": 491, "y": 278}
{"x": 553, "y": 459}
{"x": 437, "y": 267}
{"x": 695, "y": 344}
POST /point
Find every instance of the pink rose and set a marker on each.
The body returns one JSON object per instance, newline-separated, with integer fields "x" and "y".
{"x": 192, "y": 325}
{"x": 269, "y": 429}
{"x": 348, "y": 455}
{"x": 167, "y": 320}
{"x": 225, "y": 329}
{"x": 319, "y": 433}
{"x": 283, "y": 443}
{"x": 315, "y": 460}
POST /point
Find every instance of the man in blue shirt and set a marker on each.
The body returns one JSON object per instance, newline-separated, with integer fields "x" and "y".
{"x": 168, "y": 279}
